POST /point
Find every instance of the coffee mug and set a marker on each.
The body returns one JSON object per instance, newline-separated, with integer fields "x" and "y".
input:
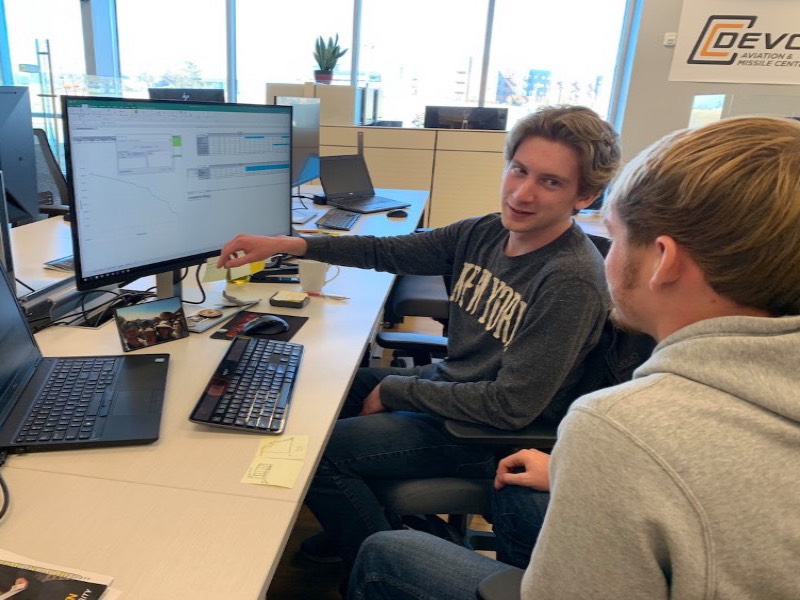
{"x": 312, "y": 274}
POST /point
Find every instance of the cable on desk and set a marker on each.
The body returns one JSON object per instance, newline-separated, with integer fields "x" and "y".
{"x": 301, "y": 197}
{"x": 23, "y": 284}
{"x": 4, "y": 487}
{"x": 200, "y": 285}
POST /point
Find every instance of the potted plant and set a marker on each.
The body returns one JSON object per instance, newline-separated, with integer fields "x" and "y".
{"x": 326, "y": 54}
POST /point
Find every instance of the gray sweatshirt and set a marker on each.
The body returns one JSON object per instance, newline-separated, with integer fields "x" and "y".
{"x": 685, "y": 482}
{"x": 519, "y": 326}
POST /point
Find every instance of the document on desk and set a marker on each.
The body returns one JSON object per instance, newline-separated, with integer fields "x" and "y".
{"x": 43, "y": 580}
{"x": 278, "y": 461}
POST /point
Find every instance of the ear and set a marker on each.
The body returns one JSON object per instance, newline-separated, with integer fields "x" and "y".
{"x": 668, "y": 262}
{"x": 584, "y": 201}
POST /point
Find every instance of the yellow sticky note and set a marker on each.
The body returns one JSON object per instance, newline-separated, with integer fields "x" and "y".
{"x": 214, "y": 274}
{"x": 291, "y": 447}
{"x": 273, "y": 471}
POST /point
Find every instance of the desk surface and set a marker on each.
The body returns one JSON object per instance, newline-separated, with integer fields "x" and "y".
{"x": 171, "y": 519}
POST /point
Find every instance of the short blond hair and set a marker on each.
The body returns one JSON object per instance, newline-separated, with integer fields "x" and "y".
{"x": 580, "y": 128}
{"x": 729, "y": 193}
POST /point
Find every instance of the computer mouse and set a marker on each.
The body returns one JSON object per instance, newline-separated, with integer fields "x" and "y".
{"x": 265, "y": 325}
{"x": 397, "y": 214}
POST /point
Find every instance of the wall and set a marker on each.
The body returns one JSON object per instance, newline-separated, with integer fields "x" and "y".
{"x": 656, "y": 106}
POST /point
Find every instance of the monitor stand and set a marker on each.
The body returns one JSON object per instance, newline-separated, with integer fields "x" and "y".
{"x": 168, "y": 285}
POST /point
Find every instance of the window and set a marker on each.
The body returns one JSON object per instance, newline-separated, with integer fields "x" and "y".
{"x": 553, "y": 53}
{"x": 422, "y": 52}
{"x": 171, "y": 43}
{"x": 42, "y": 35}
{"x": 275, "y": 42}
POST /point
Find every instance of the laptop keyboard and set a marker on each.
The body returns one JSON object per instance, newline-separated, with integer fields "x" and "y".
{"x": 71, "y": 401}
{"x": 252, "y": 387}
{"x": 338, "y": 219}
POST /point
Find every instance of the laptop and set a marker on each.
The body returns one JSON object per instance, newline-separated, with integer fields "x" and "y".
{"x": 346, "y": 183}
{"x": 74, "y": 402}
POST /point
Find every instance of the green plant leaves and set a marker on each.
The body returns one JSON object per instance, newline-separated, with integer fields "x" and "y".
{"x": 328, "y": 53}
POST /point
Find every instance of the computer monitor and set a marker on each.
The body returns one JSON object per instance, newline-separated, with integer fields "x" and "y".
{"x": 187, "y": 94}
{"x": 466, "y": 117}
{"x": 305, "y": 137}
{"x": 160, "y": 185}
{"x": 17, "y": 160}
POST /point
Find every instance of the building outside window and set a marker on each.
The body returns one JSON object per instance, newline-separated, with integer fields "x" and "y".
{"x": 543, "y": 54}
{"x": 422, "y": 53}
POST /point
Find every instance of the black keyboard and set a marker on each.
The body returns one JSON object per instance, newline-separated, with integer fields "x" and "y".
{"x": 338, "y": 219}
{"x": 71, "y": 402}
{"x": 252, "y": 386}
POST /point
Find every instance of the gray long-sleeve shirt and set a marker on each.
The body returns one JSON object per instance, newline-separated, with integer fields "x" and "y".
{"x": 519, "y": 326}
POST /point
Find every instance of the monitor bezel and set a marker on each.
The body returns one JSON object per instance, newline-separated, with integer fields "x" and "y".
{"x": 156, "y": 268}
{"x": 470, "y": 121}
{"x": 203, "y": 91}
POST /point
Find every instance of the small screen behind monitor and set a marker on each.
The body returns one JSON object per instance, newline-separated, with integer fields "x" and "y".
{"x": 187, "y": 94}
{"x": 159, "y": 185}
{"x": 466, "y": 117}
{"x": 17, "y": 158}
{"x": 305, "y": 137}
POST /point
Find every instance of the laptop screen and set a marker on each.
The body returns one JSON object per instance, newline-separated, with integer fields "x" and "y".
{"x": 345, "y": 175}
{"x": 18, "y": 351}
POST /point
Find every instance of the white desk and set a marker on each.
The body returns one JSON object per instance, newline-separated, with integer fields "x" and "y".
{"x": 171, "y": 519}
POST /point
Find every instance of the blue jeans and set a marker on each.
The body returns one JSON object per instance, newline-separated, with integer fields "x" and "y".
{"x": 517, "y": 516}
{"x": 410, "y": 564}
{"x": 391, "y": 445}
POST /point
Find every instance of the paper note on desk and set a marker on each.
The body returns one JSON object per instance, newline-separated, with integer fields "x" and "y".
{"x": 292, "y": 446}
{"x": 273, "y": 471}
{"x": 214, "y": 274}
{"x": 278, "y": 461}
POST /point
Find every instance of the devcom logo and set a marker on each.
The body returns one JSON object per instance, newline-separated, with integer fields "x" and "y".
{"x": 713, "y": 46}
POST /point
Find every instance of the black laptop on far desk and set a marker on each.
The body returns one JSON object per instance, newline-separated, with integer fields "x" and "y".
{"x": 75, "y": 402}
{"x": 346, "y": 183}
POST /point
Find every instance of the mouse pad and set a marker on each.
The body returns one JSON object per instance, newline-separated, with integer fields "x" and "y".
{"x": 233, "y": 327}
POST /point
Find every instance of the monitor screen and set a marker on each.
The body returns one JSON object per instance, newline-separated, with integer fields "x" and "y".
{"x": 466, "y": 117}
{"x": 305, "y": 137}
{"x": 159, "y": 185}
{"x": 17, "y": 159}
{"x": 187, "y": 94}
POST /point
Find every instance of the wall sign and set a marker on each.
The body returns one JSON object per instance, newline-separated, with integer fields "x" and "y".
{"x": 738, "y": 41}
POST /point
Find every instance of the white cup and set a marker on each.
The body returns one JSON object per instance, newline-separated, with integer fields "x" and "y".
{"x": 313, "y": 274}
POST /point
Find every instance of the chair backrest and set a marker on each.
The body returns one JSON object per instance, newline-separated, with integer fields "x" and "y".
{"x": 50, "y": 180}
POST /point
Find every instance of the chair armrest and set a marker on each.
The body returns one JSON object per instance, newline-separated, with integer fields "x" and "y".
{"x": 52, "y": 210}
{"x": 394, "y": 340}
{"x": 535, "y": 435}
{"x": 504, "y": 585}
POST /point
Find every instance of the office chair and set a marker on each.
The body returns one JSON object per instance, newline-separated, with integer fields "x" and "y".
{"x": 416, "y": 296}
{"x": 50, "y": 182}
